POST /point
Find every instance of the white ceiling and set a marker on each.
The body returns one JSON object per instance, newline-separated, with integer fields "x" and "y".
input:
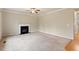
{"x": 28, "y": 10}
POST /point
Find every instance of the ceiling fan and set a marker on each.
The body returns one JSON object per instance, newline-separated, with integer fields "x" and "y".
{"x": 34, "y": 10}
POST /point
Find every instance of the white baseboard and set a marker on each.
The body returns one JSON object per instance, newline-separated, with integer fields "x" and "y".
{"x": 59, "y": 35}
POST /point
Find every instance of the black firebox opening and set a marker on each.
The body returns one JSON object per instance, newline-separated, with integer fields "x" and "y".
{"x": 24, "y": 29}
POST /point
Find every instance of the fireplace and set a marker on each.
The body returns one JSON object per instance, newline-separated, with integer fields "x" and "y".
{"x": 24, "y": 29}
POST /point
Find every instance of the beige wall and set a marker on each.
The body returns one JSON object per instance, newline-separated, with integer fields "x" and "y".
{"x": 59, "y": 23}
{"x": 0, "y": 26}
{"x": 11, "y": 23}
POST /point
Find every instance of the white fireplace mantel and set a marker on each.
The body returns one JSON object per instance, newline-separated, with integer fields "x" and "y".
{"x": 23, "y": 25}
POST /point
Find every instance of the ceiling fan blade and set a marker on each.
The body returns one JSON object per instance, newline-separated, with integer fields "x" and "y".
{"x": 37, "y": 10}
{"x": 33, "y": 10}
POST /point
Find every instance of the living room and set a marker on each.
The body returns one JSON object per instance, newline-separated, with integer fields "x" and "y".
{"x": 52, "y": 23}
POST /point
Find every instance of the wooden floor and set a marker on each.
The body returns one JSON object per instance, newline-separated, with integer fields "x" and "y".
{"x": 73, "y": 45}
{"x": 34, "y": 42}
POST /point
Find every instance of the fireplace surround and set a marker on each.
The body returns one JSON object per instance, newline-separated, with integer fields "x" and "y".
{"x": 23, "y": 29}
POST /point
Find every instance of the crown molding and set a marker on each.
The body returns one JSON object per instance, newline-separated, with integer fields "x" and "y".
{"x": 27, "y": 13}
{"x": 50, "y": 12}
{"x": 18, "y": 12}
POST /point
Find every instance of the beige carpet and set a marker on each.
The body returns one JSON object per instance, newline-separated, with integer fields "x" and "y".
{"x": 34, "y": 42}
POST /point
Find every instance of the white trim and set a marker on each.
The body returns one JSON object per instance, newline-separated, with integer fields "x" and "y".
{"x": 17, "y": 12}
{"x": 75, "y": 23}
{"x": 53, "y": 11}
{"x": 0, "y": 26}
{"x": 26, "y": 13}
{"x": 24, "y": 25}
{"x": 71, "y": 38}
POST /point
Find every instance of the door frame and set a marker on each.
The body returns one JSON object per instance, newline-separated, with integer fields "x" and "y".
{"x": 75, "y": 27}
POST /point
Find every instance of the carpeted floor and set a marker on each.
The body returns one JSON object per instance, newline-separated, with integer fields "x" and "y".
{"x": 34, "y": 42}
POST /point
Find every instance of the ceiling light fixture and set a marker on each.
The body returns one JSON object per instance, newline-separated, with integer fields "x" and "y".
{"x": 35, "y": 11}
